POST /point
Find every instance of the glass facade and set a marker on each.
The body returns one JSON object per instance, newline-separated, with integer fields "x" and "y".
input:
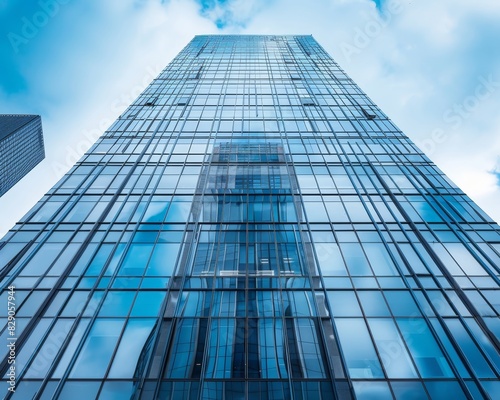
{"x": 253, "y": 227}
{"x": 21, "y": 147}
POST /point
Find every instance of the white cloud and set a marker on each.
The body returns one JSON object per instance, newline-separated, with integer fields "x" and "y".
{"x": 85, "y": 80}
{"x": 234, "y": 14}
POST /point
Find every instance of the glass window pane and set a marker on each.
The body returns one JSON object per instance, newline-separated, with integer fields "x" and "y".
{"x": 298, "y": 303}
{"x": 189, "y": 333}
{"x": 344, "y": 303}
{"x": 355, "y": 259}
{"x": 357, "y": 346}
{"x": 401, "y": 303}
{"x": 95, "y": 267}
{"x": 271, "y": 351}
{"x": 426, "y": 353}
{"x": 136, "y": 259}
{"x": 117, "y": 304}
{"x": 70, "y": 350}
{"x": 220, "y": 354}
{"x": 330, "y": 260}
{"x": 94, "y": 357}
{"x": 373, "y": 303}
{"x": 467, "y": 345}
{"x": 392, "y": 350}
{"x": 452, "y": 390}
{"x": 117, "y": 390}
{"x": 369, "y": 390}
{"x": 147, "y": 304}
{"x": 47, "y": 353}
{"x": 379, "y": 259}
{"x": 484, "y": 342}
{"x": 132, "y": 346}
{"x": 307, "y": 342}
{"x": 43, "y": 258}
{"x": 162, "y": 262}
{"x": 408, "y": 390}
{"x": 78, "y": 390}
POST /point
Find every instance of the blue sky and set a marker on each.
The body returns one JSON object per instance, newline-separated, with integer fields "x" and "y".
{"x": 433, "y": 67}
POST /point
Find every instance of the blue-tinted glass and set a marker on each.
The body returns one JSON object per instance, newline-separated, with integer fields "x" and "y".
{"x": 156, "y": 211}
{"x": 426, "y": 211}
{"x": 330, "y": 260}
{"x": 369, "y": 390}
{"x": 465, "y": 259}
{"x": 117, "y": 390}
{"x": 452, "y": 389}
{"x": 224, "y": 304}
{"x": 220, "y": 355}
{"x": 43, "y": 360}
{"x": 362, "y": 361}
{"x": 96, "y": 352}
{"x": 491, "y": 387}
{"x": 422, "y": 345}
{"x": 117, "y": 304}
{"x": 355, "y": 259}
{"x": 484, "y": 343}
{"x": 212, "y": 390}
{"x": 408, "y": 390}
{"x": 186, "y": 338}
{"x": 269, "y": 304}
{"x": 401, "y": 303}
{"x": 298, "y": 303}
{"x": 467, "y": 345}
{"x": 391, "y": 348}
{"x": 79, "y": 390}
{"x": 178, "y": 212}
{"x": 163, "y": 259}
{"x": 373, "y": 303}
{"x": 450, "y": 349}
{"x": 136, "y": 259}
{"x": 48, "y": 392}
{"x": 115, "y": 259}
{"x": 70, "y": 349}
{"x": 480, "y": 304}
{"x": 379, "y": 259}
{"x": 132, "y": 349}
{"x": 269, "y": 390}
{"x": 42, "y": 259}
{"x": 344, "y": 304}
{"x": 147, "y": 304}
{"x": 99, "y": 260}
{"x": 272, "y": 354}
{"x": 309, "y": 349}
{"x": 24, "y": 390}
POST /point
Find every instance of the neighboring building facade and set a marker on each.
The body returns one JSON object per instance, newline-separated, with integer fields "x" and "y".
{"x": 254, "y": 227}
{"x": 21, "y": 147}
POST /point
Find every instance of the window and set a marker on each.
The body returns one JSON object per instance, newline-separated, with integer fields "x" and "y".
{"x": 93, "y": 360}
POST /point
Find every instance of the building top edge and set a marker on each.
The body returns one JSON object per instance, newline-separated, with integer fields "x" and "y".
{"x": 11, "y": 123}
{"x": 253, "y": 35}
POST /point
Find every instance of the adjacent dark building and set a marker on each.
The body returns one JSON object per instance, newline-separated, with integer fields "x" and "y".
{"x": 253, "y": 227}
{"x": 21, "y": 147}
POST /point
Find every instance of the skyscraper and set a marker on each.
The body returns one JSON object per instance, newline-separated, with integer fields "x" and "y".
{"x": 252, "y": 227}
{"x": 21, "y": 147}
